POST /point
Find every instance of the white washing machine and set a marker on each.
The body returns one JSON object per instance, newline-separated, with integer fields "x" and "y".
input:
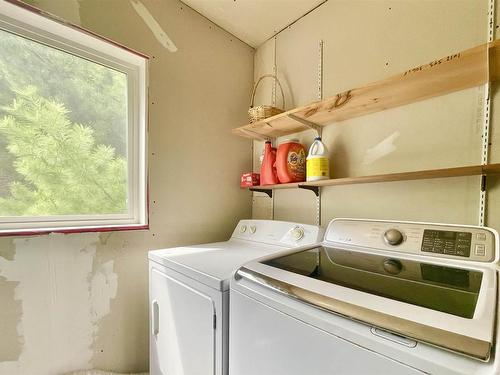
{"x": 377, "y": 297}
{"x": 189, "y": 296}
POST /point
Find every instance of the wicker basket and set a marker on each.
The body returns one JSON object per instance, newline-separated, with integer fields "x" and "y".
{"x": 264, "y": 111}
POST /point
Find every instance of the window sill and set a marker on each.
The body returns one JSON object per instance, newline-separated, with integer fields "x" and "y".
{"x": 35, "y": 232}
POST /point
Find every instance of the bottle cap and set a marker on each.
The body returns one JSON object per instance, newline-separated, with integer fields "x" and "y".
{"x": 317, "y": 139}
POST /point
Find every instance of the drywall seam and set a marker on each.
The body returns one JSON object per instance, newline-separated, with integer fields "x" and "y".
{"x": 153, "y": 25}
{"x": 64, "y": 295}
{"x": 291, "y": 23}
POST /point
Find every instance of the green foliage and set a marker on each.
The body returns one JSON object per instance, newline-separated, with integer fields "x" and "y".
{"x": 50, "y": 164}
{"x": 61, "y": 168}
{"x": 95, "y": 94}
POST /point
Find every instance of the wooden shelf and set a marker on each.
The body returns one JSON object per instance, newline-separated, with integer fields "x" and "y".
{"x": 292, "y": 185}
{"x": 469, "y": 68}
{"x": 473, "y": 170}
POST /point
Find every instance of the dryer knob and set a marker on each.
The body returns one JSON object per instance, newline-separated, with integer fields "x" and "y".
{"x": 297, "y": 233}
{"x": 253, "y": 229}
{"x": 243, "y": 229}
{"x": 393, "y": 237}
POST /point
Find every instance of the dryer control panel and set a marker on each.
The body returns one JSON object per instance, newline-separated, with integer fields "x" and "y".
{"x": 439, "y": 240}
{"x": 280, "y": 233}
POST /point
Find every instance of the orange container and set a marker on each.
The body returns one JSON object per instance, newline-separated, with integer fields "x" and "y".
{"x": 291, "y": 162}
{"x": 268, "y": 169}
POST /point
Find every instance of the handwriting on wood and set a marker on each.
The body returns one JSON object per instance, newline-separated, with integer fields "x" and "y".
{"x": 433, "y": 64}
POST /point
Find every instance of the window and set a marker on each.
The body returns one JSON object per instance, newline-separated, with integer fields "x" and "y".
{"x": 72, "y": 128}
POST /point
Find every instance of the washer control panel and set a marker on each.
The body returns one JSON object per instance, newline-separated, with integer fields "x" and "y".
{"x": 438, "y": 240}
{"x": 447, "y": 242}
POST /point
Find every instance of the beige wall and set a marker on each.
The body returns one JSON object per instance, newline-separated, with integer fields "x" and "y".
{"x": 69, "y": 302}
{"x": 365, "y": 41}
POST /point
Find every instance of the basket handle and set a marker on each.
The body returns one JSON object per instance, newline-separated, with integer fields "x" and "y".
{"x": 277, "y": 81}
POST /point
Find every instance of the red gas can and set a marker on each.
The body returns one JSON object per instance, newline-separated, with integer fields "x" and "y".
{"x": 268, "y": 169}
{"x": 291, "y": 162}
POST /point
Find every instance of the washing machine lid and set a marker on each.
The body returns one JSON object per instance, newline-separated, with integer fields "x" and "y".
{"x": 441, "y": 288}
{"x": 212, "y": 264}
{"x": 445, "y": 305}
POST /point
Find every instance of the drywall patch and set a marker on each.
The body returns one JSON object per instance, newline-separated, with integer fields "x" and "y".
{"x": 10, "y": 316}
{"x": 7, "y": 248}
{"x": 69, "y": 13}
{"x": 72, "y": 11}
{"x": 104, "y": 285}
{"x": 129, "y": 262}
{"x": 153, "y": 25}
{"x": 381, "y": 149}
{"x": 101, "y": 372}
{"x": 64, "y": 295}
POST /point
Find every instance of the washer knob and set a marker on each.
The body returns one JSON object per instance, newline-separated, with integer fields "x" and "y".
{"x": 393, "y": 237}
{"x": 253, "y": 229}
{"x": 243, "y": 229}
{"x": 297, "y": 233}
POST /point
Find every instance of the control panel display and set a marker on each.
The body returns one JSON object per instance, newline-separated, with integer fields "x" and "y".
{"x": 447, "y": 242}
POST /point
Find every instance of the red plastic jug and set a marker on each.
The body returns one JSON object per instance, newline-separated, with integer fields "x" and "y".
{"x": 268, "y": 174}
{"x": 291, "y": 162}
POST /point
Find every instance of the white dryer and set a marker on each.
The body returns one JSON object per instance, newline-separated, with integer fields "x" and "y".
{"x": 377, "y": 297}
{"x": 189, "y": 296}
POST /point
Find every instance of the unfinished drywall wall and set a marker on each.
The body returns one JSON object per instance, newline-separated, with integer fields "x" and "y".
{"x": 80, "y": 301}
{"x": 365, "y": 41}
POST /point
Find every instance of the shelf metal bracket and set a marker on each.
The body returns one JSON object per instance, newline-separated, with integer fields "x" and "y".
{"x": 270, "y": 139}
{"x": 314, "y": 189}
{"x": 258, "y": 136}
{"x": 483, "y": 182}
{"x": 307, "y": 123}
{"x": 269, "y": 192}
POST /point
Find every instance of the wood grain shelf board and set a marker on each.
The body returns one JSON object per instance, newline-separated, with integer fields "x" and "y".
{"x": 402, "y": 176}
{"x": 491, "y": 169}
{"x": 469, "y": 68}
{"x": 292, "y": 185}
{"x": 473, "y": 170}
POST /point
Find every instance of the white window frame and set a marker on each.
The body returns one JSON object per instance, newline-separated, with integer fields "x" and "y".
{"x": 35, "y": 25}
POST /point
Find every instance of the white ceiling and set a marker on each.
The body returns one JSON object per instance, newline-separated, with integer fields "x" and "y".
{"x": 253, "y": 21}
